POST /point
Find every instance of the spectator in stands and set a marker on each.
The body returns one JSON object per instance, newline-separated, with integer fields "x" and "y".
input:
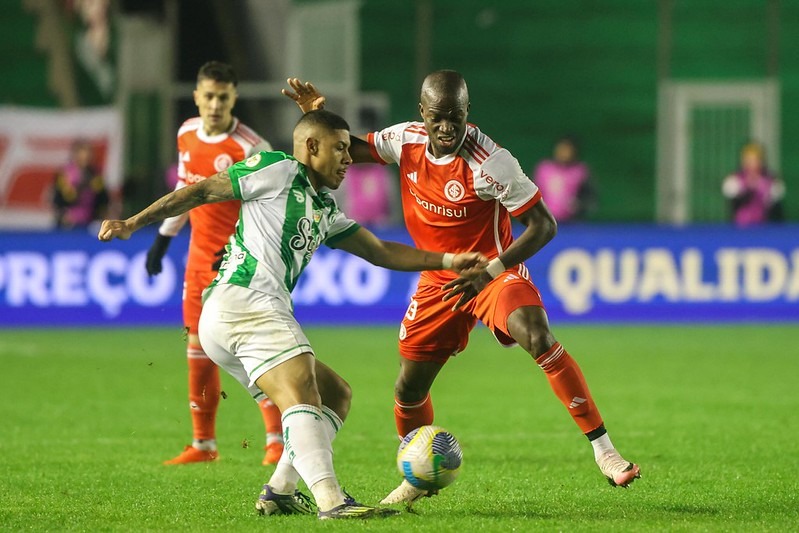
{"x": 80, "y": 195}
{"x": 565, "y": 182}
{"x": 755, "y": 195}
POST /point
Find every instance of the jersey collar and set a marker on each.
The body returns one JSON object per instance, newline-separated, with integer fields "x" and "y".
{"x": 447, "y": 159}
{"x": 219, "y": 137}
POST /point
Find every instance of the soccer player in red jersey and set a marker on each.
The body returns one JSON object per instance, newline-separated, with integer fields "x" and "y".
{"x": 209, "y": 144}
{"x": 459, "y": 189}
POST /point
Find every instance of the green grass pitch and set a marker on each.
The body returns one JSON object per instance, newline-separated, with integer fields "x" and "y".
{"x": 710, "y": 413}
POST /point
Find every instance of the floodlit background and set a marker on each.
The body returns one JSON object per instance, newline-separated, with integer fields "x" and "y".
{"x": 661, "y": 94}
{"x": 683, "y": 321}
{"x": 659, "y": 97}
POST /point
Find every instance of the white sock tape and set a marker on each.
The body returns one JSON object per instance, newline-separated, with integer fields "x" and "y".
{"x": 495, "y": 267}
{"x": 446, "y": 261}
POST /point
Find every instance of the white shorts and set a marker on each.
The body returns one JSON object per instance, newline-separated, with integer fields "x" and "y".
{"x": 248, "y": 333}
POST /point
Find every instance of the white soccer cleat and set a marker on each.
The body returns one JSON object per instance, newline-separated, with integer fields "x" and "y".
{"x": 620, "y": 472}
{"x": 407, "y": 494}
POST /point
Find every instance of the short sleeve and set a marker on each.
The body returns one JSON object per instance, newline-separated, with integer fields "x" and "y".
{"x": 341, "y": 227}
{"x": 386, "y": 145}
{"x": 501, "y": 177}
{"x": 262, "y": 175}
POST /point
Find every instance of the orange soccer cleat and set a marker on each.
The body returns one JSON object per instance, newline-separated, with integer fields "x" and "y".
{"x": 190, "y": 454}
{"x": 273, "y": 453}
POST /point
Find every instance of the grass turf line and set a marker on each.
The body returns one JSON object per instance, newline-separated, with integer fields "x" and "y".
{"x": 708, "y": 412}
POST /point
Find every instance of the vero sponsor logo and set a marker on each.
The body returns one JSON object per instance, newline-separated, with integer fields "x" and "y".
{"x": 491, "y": 181}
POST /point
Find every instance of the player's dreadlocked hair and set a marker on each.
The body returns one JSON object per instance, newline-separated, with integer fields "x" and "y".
{"x": 322, "y": 117}
{"x": 217, "y": 71}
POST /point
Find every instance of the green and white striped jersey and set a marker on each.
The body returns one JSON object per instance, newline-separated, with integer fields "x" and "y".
{"x": 282, "y": 222}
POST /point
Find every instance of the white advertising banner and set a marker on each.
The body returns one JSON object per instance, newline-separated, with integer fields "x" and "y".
{"x": 35, "y": 143}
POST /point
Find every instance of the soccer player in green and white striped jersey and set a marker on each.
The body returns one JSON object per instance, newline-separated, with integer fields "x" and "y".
{"x": 247, "y": 325}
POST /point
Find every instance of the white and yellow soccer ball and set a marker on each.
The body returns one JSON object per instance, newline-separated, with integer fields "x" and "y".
{"x": 429, "y": 458}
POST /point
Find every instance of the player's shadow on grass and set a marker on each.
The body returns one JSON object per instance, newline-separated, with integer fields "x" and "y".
{"x": 519, "y": 511}
{"x": 691, "y": 509}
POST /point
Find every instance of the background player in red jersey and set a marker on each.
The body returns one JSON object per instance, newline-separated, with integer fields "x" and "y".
{"x": 209, "y": 144}
{"x": 459, "y": 189}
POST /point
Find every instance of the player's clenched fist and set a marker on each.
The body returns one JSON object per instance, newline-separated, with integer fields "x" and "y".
{"x": 111, "y": 229}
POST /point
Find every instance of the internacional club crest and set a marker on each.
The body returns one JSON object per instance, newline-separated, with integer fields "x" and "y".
{"x": 454, "y": 191}
{"x": 222, "y": 161}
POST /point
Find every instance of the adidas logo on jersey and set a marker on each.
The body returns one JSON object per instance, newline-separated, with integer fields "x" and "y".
{"x": 412, "y": 176}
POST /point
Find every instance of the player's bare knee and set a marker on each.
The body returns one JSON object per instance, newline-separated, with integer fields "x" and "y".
{"x": 535, "y": 340}
{"x": 408, "y": 391}
{"x": 530, "y": 328}
{"x": 336, "y": 393}
{"x": 343, "y": 399}
{"x": 415, "y": 379}
{"x": 302, "y": 390}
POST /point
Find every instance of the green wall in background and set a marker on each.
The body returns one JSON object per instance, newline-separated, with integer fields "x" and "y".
{"x": 24, "y": 67}
{"x": 539, "y": 69}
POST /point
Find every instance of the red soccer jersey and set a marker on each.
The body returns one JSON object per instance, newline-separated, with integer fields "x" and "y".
{"x": 460, "y": 202}
{"x": 201, "y": 156}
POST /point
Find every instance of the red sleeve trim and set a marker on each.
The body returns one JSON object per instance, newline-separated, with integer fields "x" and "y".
{"x": 370, "y": 138}
{"x": 530, "y": 203}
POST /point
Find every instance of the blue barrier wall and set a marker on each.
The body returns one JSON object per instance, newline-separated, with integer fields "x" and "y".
{"x": 587, "y": 274}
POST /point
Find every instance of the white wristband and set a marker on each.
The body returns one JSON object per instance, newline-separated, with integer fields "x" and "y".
{"x": 495, "y": 267}
{"x": 446, "y": 261}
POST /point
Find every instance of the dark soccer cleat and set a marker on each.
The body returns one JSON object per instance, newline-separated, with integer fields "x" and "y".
{"x": 352, "y": 509}
{"x": 271, "y": 503}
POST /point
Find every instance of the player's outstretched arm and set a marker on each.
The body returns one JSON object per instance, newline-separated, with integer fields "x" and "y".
{"x": 359, "y": 150}
{"x": 397, "y": 256}
{"x": 217, "y": 188}
{"x": 540, "y": 229}
{"x": 304, "y": 94}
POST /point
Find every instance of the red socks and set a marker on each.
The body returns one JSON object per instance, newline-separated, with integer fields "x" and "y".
{"x": 568, "y": 383}
{"x": 409, "y": 416}
{"x": 204, "y": 392}
{"x": 272, "y": 423}
{"x": 565, "y": 378}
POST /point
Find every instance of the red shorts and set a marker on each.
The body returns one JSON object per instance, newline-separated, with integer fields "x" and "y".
{"x": 194, "y": 283}
{"x": 431, "y": 331}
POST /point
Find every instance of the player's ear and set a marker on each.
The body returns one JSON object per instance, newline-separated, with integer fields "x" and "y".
{"x": 196, "y": 95}
{"x": 421, "y": 110}
{"x": 312, "y": 145}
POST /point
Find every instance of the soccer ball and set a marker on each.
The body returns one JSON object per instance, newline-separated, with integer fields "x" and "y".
{"x": 429, "y": 457}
